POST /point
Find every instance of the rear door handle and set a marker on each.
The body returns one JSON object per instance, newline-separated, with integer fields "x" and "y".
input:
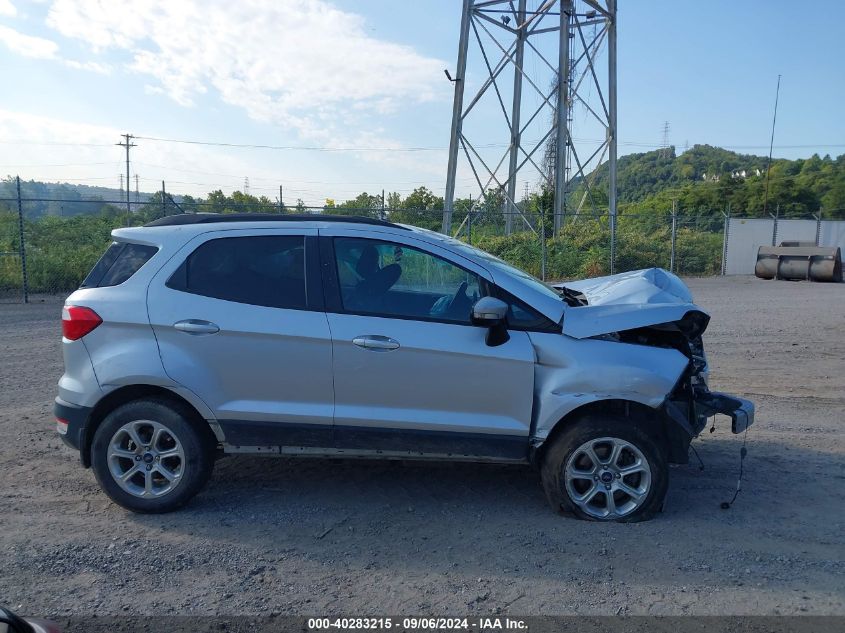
{"x": 375, "y": 342}
{"x": 196, "y": 326}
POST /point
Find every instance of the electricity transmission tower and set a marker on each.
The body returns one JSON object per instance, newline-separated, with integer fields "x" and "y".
{"x": 664, "y": 146}
{"x": 566, "y": 41}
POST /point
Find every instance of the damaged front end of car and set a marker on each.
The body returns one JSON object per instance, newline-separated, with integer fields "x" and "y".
{"x": 654, "y": 308}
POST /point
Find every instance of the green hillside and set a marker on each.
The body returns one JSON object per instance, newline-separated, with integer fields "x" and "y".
{"x": 64, "y": 199}
{"x": 706, "y": 178}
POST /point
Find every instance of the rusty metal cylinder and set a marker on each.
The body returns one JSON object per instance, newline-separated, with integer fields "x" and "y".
{"x": 812, "y": 263}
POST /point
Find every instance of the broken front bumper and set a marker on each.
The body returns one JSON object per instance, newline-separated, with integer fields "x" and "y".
{"x": 740, "y": 411}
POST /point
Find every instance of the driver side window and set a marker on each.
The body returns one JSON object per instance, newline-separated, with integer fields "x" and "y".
{"x": 395, "y": 280}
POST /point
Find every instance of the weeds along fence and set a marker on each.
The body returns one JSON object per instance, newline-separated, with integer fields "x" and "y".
{"x": 46, "y": 257}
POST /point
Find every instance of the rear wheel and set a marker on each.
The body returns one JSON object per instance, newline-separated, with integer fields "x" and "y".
{"x": 149, "y": 456}
{"x": 605, "y": 469}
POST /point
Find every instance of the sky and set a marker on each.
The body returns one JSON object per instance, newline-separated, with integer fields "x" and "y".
{"x": 355, "y": 90}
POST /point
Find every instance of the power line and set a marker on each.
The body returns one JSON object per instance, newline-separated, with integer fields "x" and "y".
{"x": 300, "y": 147}
{"x": 56, "y": 164}
{"x": 383, "y": 149}
{"x": 27, "y": 142}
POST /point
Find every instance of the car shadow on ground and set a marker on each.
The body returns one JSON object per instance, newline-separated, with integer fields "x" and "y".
{"x": 417, "y": 515}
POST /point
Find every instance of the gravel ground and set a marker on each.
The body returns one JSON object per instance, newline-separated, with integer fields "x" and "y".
{"x": 359, "y": 538}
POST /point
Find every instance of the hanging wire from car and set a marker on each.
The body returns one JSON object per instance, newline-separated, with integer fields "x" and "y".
{"x": 726, "y": 505}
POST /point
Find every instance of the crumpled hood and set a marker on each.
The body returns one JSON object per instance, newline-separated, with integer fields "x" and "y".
{"x": 626, "y": 301}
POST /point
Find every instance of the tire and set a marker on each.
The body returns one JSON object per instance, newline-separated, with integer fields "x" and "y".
{"x": 164, "y": 457}
{"x": 629, "y": 487}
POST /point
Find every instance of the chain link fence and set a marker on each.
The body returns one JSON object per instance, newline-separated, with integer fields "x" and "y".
{"x": 46, "y": 258}
{"x": 11, "y": 270}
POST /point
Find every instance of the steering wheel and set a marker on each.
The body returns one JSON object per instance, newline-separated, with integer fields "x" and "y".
{"x": 460, "y": 304}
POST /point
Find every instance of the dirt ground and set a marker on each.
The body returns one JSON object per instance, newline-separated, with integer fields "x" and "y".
{"x": 321, "y": 537}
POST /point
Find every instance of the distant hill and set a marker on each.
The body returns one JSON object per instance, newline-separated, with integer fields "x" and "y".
{"x": 69, "y": 199}
{"x": 709, "y": 178}
{"x": 704, "y": 180}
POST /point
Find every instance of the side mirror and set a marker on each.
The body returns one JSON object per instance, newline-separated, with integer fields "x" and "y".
{"x": 489, "y": 311}
{"x": 492, "y": 313}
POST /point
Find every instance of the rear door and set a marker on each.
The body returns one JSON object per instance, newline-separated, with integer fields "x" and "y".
{"x": 411, "y": 373}
{"x": 239, "y": 320}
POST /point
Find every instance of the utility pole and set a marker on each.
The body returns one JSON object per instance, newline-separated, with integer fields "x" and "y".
{"x": 281, "y": 204}
{"x": 771, "y": 147}
{"x": 127, "y": 143}
{"x": 137, "y": 191}
{"x": 163, "y": 200}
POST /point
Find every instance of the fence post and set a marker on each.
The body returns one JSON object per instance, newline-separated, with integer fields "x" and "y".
{"x": 725, "y": 238}
{"x": 674, "y": 233}
{"x": 22, "y": 243}
{"x": 543, "y": 244}
{"x": 818, "y": 227}
{"x": 775, "y": 225}
{"x": 612, "y": 243}
{"x": 469, "y": 221}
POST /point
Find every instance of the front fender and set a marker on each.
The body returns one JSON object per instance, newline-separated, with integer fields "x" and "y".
{"x": 570, "y": 373}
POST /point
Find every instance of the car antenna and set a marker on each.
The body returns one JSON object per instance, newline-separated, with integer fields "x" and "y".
{"x": 725, "y": 505}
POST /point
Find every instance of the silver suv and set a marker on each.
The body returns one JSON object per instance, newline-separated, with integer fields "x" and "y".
{"x": 200, "y": 335}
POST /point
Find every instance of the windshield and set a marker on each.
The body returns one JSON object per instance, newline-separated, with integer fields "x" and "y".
{"x": 502, "y": 265}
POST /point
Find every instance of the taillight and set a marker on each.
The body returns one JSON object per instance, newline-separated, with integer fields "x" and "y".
{"x": 77, "y": 321}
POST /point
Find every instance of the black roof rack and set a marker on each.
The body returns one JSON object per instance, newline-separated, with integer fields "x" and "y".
{"x": 210, "y": 218}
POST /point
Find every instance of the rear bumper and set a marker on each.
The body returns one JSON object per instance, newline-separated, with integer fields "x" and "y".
{"x": 740, "y": 410}
{"x": 76, "y": 418}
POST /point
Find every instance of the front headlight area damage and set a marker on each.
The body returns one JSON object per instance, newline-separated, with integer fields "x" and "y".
{"x": 690, "y": 403}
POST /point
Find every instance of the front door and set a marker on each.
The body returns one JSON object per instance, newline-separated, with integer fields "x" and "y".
{"x": 239, "y": 322}
{"x": 411, "y": 373}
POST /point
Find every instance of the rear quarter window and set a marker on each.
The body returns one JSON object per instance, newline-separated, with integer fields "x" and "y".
{"x": 264, "y": 271}
{"x": 120, "y": 261}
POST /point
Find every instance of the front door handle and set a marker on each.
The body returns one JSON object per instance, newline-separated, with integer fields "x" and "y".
{"x": 196, "y": 326}
{"x": 375, "y": 342}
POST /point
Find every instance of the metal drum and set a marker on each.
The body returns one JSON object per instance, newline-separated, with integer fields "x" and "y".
{"x": 812, "y": 263}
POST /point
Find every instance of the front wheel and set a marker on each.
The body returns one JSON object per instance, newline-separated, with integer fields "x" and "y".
{"x": 605, "y": 469}
{"x": 149, "y": 456}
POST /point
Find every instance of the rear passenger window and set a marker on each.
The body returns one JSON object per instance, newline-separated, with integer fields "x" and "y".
{"x": 120, "y": 261}
{"x": 264, "y": 271}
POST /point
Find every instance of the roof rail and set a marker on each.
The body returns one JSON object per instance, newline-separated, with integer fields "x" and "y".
{"x": 210, "y": 218}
